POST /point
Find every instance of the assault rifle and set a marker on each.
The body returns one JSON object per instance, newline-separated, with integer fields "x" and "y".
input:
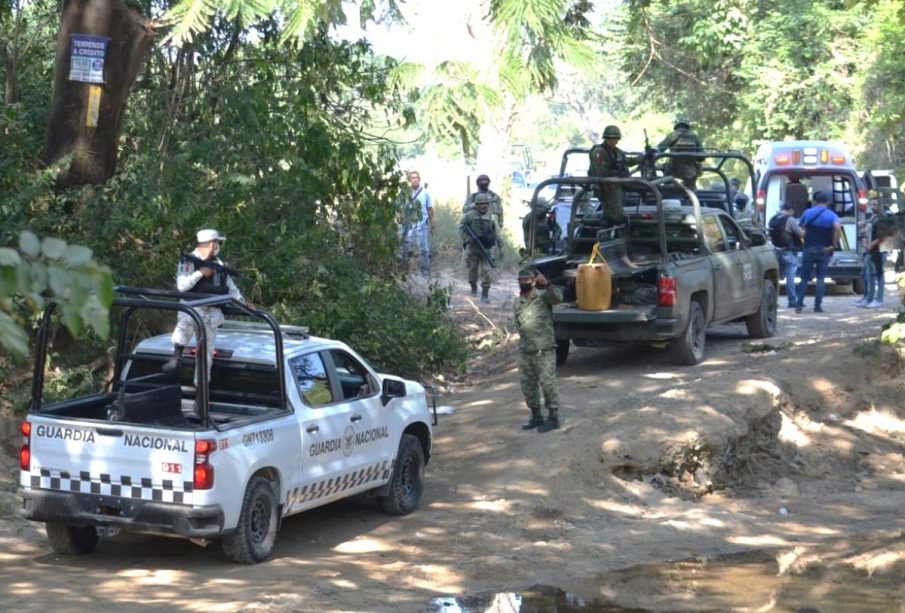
{"x": 210, "y": 264}
{"x": 648, "y": 169}
{"x": 474, "y": 239}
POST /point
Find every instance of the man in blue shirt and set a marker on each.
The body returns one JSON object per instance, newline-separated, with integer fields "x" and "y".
{"x": 822, "y": 231}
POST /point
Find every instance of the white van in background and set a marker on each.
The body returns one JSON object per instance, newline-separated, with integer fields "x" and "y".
{"x": 792, "y": 171}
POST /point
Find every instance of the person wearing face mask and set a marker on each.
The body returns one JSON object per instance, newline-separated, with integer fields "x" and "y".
{"x": 193, "y": 276}
{"x": 537, "y": 347}
{"x": 496, "y": 203}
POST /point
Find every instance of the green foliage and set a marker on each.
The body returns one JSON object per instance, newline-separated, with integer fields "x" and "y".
{"x": 281, "y": 151}
{"x": 51, "y": 269}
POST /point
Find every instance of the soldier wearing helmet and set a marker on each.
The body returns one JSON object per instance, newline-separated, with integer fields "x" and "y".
{"x": 540, "y": 229}
{"x": 480, "y": 225}
{"x": 682, "y": 138}
{"x": 496, "y": 203}
{"x": 608, "y": 160}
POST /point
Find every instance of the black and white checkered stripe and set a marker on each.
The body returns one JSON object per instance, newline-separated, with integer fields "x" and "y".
{"x": 120, "y": 486}
{"x": 334, "y": 485}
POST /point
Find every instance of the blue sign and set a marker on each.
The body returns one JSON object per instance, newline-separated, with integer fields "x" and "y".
{"x": 87, "y": 53}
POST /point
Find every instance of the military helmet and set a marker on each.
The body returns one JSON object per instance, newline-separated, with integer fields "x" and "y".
{"x": 681, "y": 121}
{"x": 482, "y": 198}
{"x": 612, "y": 132}
{"x": 541, "y": 204}
{"x": 482, "y": 179}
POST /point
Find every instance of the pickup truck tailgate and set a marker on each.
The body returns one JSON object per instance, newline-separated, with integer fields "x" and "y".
{"x": 127, "y": 461}
{"x": 570, "y": 313}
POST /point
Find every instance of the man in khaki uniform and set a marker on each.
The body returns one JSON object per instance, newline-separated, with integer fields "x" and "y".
{"x": 533, "y": 310}
{"x": 480, "y": 228}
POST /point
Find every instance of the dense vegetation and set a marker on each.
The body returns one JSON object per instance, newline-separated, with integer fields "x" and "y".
{"x": 256, "y": 119}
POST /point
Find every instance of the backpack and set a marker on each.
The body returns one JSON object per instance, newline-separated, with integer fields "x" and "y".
{"x": 779, "y": 236}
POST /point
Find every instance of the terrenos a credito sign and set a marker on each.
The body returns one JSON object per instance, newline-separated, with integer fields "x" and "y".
{"x": 87, "y": 53}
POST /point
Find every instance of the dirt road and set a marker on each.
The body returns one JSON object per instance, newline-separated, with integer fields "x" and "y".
{"x": 787, "y": 446}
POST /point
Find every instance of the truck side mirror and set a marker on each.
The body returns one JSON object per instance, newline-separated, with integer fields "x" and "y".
{"x": 391, "y": 388}
{"x": 757, "y": 239}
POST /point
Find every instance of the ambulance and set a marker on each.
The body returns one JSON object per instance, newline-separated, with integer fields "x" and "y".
{"x": 792, "y": 171}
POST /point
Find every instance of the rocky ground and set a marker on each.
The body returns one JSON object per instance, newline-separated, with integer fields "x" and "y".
{"x": 791, "y": 448}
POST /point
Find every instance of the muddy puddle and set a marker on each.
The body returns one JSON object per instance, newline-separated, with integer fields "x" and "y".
{"x": 759, "y": 581}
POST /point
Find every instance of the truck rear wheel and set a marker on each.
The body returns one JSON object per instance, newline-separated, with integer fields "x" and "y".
{"x": 407, "y": 482}
{"x": 562, "y": 351}
{"x": 253, "y": 539}
{"x": 689, "y": 348}
{"x": 762, "y": 322}
{"x": 71, "y": 540}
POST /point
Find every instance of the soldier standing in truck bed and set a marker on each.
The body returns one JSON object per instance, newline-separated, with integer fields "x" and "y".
{"x": 682, "y": 138}
{"x": 608, "y": 160}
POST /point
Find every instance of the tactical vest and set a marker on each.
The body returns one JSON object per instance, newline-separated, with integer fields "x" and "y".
{"x": 214, "y": 284}
{"x": 482, "y": 226}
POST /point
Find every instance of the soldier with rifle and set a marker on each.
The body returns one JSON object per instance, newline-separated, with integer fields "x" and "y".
{"x": 480, "y": 232}
{"x": 202, "y": 272}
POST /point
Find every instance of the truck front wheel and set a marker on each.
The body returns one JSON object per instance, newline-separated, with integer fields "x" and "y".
{"x": 71, "y": 540}
{"x": 562, "y": 351}
{"x": 407, "y": 482}
{"x": 762, "y": 322}
{"x": 253, "y": 539}
{"x": 689, "y": 348}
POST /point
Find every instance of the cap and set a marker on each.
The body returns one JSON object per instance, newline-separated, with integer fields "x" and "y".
{"x": 734, "y": 181}
{"x": 822, "y": 197}
{"x": 872, "y": 193}
{"x": 205, "y": 236}
{"x": 525, "y": 271}
{"x": 482, "y": 179}
{"x": 482, "y": 199}
{"x": 787, "y": 206}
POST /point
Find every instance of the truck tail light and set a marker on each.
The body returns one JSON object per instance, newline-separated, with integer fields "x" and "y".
{"x": 862, "y": 199}
{"x": 761, "y": 200}
{"x": 25, "y": 450}
{"x": 204, "y": 473}
{"x": 666, "y": 291}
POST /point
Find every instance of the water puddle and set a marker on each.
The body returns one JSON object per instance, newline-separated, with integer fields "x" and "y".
{"x": 758, "y": 581}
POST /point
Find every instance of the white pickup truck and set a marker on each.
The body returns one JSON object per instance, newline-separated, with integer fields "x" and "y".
{"x": 285, "y": 422}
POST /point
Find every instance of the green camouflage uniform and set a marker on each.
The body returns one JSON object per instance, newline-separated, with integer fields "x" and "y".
{"x": 546, "y": 230}
{"x": 688, "y": 170}
{"x": 607, "y": 161}
{"x": 537, "y": 348}
{"x": 487, "y": 226}
{"x": 496, "y": 205}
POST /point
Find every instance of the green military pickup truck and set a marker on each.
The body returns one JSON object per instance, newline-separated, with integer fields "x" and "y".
{"x": 677, "y": 267}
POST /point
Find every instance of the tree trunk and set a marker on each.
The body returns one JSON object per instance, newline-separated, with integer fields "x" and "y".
{"x": 93, "y": 149}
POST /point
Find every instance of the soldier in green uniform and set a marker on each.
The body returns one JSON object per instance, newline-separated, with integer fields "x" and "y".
{"x": 608, "y": 160}
{"x": 496, "y": 203}
{"x": 486, "y": 229}
{"x": 682, "y": 138}
{"x": 542, "y": 233}
{"x": 537, "y": 347}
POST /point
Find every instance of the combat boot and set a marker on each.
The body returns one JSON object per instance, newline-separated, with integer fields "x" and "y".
{"x": 172, "y": 365}
{"x": 536, "y": 420}
{"x": 552, "y": 423}
{"x": 474, "y": 289}
{"x": 485, "y": 294}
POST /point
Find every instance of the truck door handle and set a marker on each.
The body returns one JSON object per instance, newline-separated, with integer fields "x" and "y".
{"x": 355, "y": 418}
{"x": 109, "y": 432}
{"x": 312, "y": 428}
